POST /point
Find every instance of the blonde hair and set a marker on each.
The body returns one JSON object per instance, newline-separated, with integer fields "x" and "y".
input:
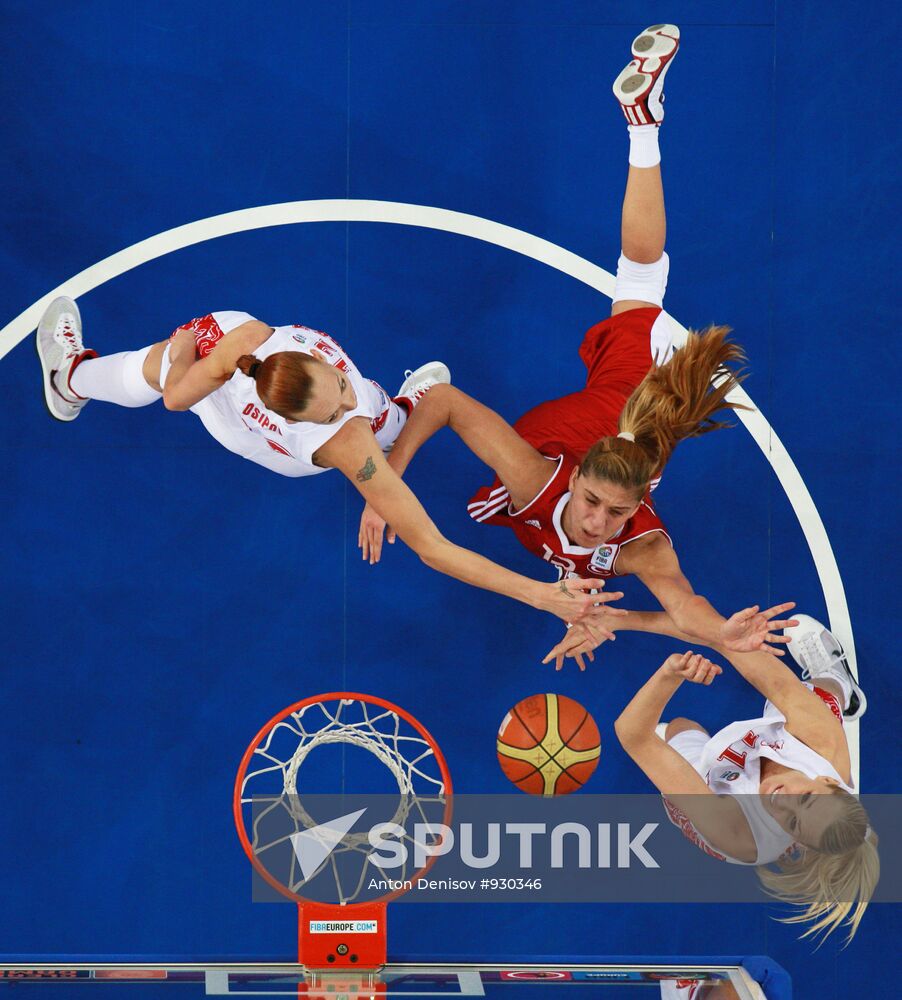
{"x": 830, "y": 886}
{"x": 674, "y": 401}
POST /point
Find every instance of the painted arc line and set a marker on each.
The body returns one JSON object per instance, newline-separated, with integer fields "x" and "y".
{"x": 543, "y": 251}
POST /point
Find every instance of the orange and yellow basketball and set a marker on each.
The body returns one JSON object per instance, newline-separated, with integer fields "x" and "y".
{"x": 548, "y": 745}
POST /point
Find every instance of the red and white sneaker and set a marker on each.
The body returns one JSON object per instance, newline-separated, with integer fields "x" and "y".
{"x": 418, "y": 383}
{"x": 639, "y": 88}
{"x": 60, "y": 349}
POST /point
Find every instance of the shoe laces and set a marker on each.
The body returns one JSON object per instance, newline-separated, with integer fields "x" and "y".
{"x": 816, "y": 655}
{"x": 421, "y": 389}
{"x": 66, "y": 335}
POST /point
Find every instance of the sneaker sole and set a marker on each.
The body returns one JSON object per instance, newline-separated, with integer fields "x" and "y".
{"x": 653, "y": 51}
{"x": 56, "y": 407}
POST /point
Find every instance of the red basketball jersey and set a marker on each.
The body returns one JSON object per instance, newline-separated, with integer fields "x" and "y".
{"x": 538, "y": 524}
{"x": 617, "y": 353}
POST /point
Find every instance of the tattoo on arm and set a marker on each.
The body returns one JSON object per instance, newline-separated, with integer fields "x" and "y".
{"x": 367, "y": 472}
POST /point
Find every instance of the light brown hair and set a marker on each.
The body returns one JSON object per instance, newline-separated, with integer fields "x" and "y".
{"x": 674, "y": 401}
{"x": 283, "y": 380}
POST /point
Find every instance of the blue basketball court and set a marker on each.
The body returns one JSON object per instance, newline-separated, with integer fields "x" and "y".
{"x": 420, "y": 180}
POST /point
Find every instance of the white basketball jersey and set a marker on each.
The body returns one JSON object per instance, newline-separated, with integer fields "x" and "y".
{"x": 730, "y": 764}
{"x": 237, "y": 418}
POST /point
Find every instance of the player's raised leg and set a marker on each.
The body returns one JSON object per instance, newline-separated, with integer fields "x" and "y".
{"x": 74, "y": 375}
{"x": 415, "y": 385}
{"x": 643, "y": 265}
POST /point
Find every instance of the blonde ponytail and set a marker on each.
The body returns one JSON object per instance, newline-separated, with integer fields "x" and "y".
{"x": 830, "y": 887}
{"x": 674, "y": 401}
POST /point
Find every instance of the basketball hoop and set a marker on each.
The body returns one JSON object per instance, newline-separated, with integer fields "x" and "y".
{"x": 270, "y": 817}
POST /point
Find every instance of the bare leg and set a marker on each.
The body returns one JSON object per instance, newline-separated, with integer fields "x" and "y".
{"x": 643, "y": 223}
{"x": 151, "y": 367}
{"x": 642, "y": 269}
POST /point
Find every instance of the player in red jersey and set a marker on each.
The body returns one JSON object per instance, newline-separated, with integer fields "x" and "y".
{"x": 575, "y": 474}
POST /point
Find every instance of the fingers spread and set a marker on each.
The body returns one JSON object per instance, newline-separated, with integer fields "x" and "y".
{"x": 779, "y": 609}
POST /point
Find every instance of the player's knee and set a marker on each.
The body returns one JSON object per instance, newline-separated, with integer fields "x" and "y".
{"x": 641, "y": 282}
{"x": 681, "y": 725}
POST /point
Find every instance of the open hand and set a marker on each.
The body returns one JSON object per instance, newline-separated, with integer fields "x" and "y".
{"x": 579, "y": 642}
{"x": 752, "y": 629}
{"x": 570, "y": 599}
{"x": 369, "y": 537}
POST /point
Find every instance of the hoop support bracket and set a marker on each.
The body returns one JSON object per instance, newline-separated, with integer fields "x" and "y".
{"x": 331, "y": 938}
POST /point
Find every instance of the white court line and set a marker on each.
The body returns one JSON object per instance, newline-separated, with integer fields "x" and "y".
{"x": 427, "y": 217}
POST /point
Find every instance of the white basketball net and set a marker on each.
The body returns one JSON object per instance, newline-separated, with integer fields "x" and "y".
{"x": 278, "y": 759}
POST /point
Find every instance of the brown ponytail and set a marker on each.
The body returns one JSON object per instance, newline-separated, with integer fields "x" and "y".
{"x": 283, "y": 380}
{"x": 248, "y": 365}
{"x": 674, "y": 401}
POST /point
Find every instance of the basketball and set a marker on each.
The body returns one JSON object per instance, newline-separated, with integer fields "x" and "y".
{"x": 548, "y": 745}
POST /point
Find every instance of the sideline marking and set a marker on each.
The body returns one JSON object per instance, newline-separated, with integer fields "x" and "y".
{"x": 427, "y": 217}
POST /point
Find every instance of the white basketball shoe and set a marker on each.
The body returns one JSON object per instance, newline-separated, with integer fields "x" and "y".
{"x": 819, "y": 653}
{"x": 418, "y": 383}
{"x": 640, "y": 87}
{"x": 60, "y": 349}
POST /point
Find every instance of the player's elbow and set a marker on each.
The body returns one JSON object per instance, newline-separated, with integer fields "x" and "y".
{"x": 686, "y": 613}
{"x": 432, "y": 550}
{"x": 628, "y": 734}
{"x": 172, "y": 402}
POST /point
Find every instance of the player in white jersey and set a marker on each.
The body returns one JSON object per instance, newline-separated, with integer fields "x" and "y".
{"x": 290, "y": 399}
{"x": 775, "y": 789}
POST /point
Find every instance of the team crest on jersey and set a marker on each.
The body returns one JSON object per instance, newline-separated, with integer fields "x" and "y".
{"x": 603, "y": 557}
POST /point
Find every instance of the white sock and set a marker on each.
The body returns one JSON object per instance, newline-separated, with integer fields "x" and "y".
{"x": 841, "y": 678}
{"x": 644, "y": 150}
{"x": 116, "y": 378}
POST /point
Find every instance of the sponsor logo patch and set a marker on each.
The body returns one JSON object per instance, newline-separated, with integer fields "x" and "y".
{"x": 344, "y": 926}
{"x": 603, "y": 557}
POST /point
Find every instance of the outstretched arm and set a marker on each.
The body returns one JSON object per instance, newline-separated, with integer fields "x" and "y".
{"x": 807, "y": 717}
{"x": 355, "y": 452}
{"x": 656, "y": 564}
{"x": 522, "y": 469}
{"x": 582, "y": 639}
{"x": 718, "y": 819}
